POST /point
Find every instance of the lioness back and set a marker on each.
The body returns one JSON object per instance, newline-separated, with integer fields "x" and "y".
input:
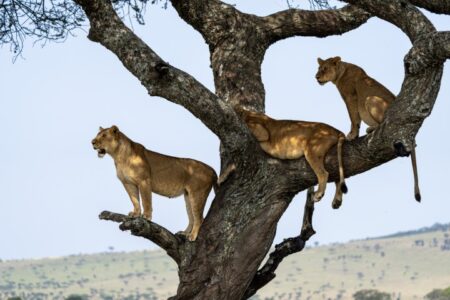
{"x": 172, "y": 176}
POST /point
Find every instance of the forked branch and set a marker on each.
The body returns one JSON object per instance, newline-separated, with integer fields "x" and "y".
{"x": 147, "y": 229}
{"x": 159, "y": 77}
{"x": 284, "y": 249}
{"x": 429, "y": 50}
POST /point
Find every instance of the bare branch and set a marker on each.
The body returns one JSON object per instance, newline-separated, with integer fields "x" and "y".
{"x": 284, "y": 249}
{"x": 51, "y": 20}
{"x": 436, "y": 6}
{"x": 297, "y": 22}
{"x": 147, "y": 229}
{"x": 160, "y": 78}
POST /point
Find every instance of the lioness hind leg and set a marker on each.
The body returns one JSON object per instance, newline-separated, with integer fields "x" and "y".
{"x": 133, "y": 193}
{"x": 189, "y": 213}
{"x": 316, "y": 163}
{"x": 376, "y": 106}
{"x": 197, "y": 201}
{"x": 337, "y": 201}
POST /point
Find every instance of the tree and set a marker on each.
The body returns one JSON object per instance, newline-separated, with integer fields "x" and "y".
{"x": 438, "y": 294}
{"x": 371, "y": 295}
{"x": 225, "y": 261}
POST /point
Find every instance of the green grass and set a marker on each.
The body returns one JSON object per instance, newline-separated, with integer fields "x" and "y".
{"x": 395, "y": 265}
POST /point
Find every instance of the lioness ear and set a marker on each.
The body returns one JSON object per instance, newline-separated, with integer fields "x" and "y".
{"x": 114, "y": 129}
{"x": 336, "y": 59}
{"x": 319, "y": 60}
{"x": 100, "y": 128}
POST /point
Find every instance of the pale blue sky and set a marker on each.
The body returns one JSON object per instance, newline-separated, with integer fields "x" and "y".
{"x": 53, "y": 100}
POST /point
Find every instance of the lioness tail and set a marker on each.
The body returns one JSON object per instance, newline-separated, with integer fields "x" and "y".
{"x": 416, "y": 176}
{"x": 342, "y": 184}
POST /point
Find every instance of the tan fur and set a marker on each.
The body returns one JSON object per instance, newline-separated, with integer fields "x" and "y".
{"x": 366, "y": 99}
{"x": 286, "y": 139}
{"x": 142, "y": 171}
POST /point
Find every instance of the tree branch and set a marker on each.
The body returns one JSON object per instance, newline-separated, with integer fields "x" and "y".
{"x": 147, "y": 229}
{"x": 160, "y": 78}
{"x": 284, "y": 249}
{"x": 402, "y": 14}
{"x": 429, "y": 50}
{"x": 297, "y": 22}
{"x": 436, "y": 6}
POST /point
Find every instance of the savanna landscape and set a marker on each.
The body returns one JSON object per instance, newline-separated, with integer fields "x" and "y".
{"x": 406, "y": 265}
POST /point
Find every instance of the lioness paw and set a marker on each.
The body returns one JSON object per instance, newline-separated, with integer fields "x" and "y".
{"x": 134, "y": 214}
{"x": 351, "y": 136}
{"x": 192, "y": 237}
{"x": 336, "y": 203}
{"x": 317, "y": 196}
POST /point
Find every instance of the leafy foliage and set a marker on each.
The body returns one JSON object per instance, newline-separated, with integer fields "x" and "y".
{"x": 439, "y": 294}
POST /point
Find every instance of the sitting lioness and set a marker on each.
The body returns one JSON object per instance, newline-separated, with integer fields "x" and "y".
{"x": 143, "y": 171}
{"x": 286, "y": 139}
{"x": 366, "y": 99}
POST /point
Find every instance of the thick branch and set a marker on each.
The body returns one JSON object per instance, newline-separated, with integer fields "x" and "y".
{"x": 430, "y": 50}
{"x": 284, "y": 249}
{"x": 436, "y": 6}
{"x": 158, "y": 77}
{"x": 211, "y": 18}
{"x": 400, "y": 13}
{"x": 147, "y": 229}
{"x": 297, "y": 22}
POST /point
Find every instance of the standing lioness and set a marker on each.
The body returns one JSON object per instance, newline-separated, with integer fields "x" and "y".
{"x": 366, "y": 99}
{"x": 143, "y": 171}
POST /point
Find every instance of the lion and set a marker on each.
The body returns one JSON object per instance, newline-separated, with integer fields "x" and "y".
{"x": 287, "y": 139}
{"x": 366, "y": 99}
{"x": 142, "y": 171}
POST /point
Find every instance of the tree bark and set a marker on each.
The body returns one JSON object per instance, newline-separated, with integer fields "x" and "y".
{"x": 239, "y": 228}
{"x": 436, "y": 6}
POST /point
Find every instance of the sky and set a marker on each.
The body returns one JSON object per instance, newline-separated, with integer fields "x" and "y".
{"x": 54, "y": 98}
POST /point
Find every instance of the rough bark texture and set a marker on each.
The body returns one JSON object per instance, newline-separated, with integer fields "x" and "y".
{"x": 286, "y": 248}
{"x": 240, "y": 226}
{"x": 436, "y": 6}
{"x": 149, "y": 230}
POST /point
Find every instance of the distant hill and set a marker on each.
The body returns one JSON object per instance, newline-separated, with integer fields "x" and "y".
{"x": 435, "y": 227}
{"x": 406, "y": 265}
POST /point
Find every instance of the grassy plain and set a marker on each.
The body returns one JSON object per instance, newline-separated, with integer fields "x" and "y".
{"x": 407, "y": 266}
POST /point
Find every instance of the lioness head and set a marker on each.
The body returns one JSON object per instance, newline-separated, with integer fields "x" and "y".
{"x": 106, "y": 141}
{"x": 327, "y": 69}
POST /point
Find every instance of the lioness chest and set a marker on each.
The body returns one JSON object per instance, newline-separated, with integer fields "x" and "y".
{"x": 132, "y": 170}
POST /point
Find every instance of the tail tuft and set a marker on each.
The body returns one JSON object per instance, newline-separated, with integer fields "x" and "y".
{"x": 418, "y": 197}
{"x": 344, "y": 188}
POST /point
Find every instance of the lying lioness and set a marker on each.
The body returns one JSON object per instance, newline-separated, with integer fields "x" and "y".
{"x": 366, "y": 99}
{"x": 286, "y": 139}
{"x": 143, "y": 171}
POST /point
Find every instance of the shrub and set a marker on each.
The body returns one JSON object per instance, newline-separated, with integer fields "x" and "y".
{"x": 371, "y": 295}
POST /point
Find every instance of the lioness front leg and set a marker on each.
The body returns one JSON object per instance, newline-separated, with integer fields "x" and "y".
{"x": 133, "y": 193}
{"x": 352, "y": 108}
{"x": 145, "y": 188}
